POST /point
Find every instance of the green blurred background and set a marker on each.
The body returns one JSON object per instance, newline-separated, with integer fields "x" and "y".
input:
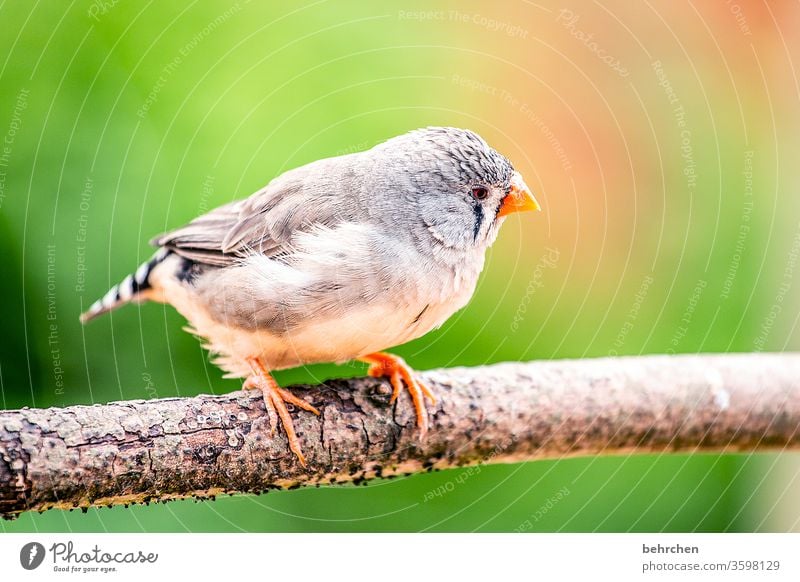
{"x": 661, "y": 139}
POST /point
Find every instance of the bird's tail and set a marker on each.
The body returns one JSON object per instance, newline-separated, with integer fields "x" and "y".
{"x": 127, "y": 290}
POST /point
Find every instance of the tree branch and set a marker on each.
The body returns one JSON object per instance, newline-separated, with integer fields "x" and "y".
{"x": 141, "y": 451}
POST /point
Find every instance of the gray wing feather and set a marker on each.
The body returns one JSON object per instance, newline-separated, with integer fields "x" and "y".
{"x": 265, "y": 222}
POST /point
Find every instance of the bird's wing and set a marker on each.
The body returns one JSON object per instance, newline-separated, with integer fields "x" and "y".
{"x": 262, "y": 224}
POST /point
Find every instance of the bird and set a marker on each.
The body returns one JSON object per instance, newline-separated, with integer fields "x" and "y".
{"x": 335, "y": 261}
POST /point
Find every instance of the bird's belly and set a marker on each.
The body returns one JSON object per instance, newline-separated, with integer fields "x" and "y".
{"x": 370, "y": 329}
{"x": 317, "y": 337}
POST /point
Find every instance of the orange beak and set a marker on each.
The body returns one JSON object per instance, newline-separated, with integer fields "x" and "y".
{"x": 519, "y": 198}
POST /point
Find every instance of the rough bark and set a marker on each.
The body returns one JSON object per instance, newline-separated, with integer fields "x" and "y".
{"x": 142, "y": 451}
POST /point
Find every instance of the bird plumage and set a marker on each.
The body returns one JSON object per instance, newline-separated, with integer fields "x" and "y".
{"x": 336, "y": 259}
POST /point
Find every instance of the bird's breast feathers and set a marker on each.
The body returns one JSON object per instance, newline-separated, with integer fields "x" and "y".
{"x": 339, "y": 293}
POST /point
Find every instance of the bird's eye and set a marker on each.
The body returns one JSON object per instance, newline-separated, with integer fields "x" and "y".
{"x": 480, "y": 193}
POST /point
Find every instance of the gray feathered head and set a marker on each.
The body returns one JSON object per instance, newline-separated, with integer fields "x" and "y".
{"x": 460, "y": 187}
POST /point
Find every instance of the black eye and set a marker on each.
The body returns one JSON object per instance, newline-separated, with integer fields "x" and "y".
{"x": 480, "y": 193}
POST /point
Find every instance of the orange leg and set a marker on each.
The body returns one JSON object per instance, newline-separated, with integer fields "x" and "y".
{"x": 399, "y": 373}
{"x": 275, "y": 399}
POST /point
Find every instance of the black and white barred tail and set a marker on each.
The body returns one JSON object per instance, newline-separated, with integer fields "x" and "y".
{"x": 127, "y": 290}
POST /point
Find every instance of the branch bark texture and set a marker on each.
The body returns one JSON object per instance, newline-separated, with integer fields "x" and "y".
{"x": 142, "y": 451}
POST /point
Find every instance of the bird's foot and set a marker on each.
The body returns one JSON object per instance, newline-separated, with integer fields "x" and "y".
{"x": 399, "y": 373}
{"x": 275, "y": 399}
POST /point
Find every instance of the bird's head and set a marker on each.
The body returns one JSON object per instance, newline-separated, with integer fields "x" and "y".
{"x": 456, "y": 184}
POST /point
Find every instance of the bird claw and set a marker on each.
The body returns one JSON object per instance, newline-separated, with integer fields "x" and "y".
{"x": 400, "y": 374}
{"x": 275, "y": 399}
